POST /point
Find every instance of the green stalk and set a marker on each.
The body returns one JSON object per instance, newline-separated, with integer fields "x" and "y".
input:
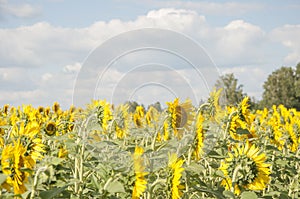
{"x": 234, "y": 175}
{"x": 35, "y": 181}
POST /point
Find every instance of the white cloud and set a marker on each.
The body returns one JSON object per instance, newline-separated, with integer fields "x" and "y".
{"x": 72, "y": 68}
{"x": 288, "y": 35}
{"x": 239, "y": 41}
{"x": 47, "y": 76}
{"x": 251, "y": 77}
{"x": 215, "y": 8}
{"x": 52, "y": 54}
{"x": 19, "y": 10}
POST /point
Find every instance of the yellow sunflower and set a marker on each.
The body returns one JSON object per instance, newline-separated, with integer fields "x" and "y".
{"x": 245, "y": 168}
{"x": 121, "y": 121}
{"x": 30, "y": 138}
{"x": 12, "y": 161}
{"x": 138, "y": 116}
{"x": 179, "y": 118}
{"x": 51, "y": 128}
{"x": 199, "y": 136}
{"x": 152, "y": 116}
{"x": 3, "y": 123}
{"x": 175, "y": 164}
{"x": 240, "y": 121}
{"x": 140, "y": 181}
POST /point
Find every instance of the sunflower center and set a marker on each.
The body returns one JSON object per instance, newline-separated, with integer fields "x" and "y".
{"x": 50, "y": 128}
{"x": 181, "y": 117}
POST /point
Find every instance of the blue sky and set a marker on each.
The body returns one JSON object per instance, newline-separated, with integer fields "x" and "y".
{"x": 44, "y": 44}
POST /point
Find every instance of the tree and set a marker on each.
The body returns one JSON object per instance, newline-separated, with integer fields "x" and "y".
{"x": 282, "y": 87}
{"x": 232, "y": 92}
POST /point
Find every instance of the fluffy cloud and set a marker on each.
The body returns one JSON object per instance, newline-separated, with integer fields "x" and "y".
{"x": 52, "y": 56}
{"x": 19, "y": 10}
{"x": 288, "y": 35}
{"x": 207, "y": 7}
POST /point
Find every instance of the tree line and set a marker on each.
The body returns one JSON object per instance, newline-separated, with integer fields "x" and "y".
{"x": 281, "y": 87}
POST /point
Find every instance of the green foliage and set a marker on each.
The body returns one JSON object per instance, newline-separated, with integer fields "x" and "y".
{"x": 283, "y": 87}
{"x": 232, "y": 91}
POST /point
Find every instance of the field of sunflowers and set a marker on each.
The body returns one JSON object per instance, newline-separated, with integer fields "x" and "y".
{"x": 107, "y": 151}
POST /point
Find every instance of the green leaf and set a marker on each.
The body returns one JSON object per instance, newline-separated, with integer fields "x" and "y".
{"x": 56, "y": 161}
{"x": 284, "y": 195}
{"x": 228, "y": 194}
{"x": 196, "y": 168}
{"x": 52, "y": 193}
{"x": 115, "y": 187}
{"x": 242, "y": 131}
{"x": 248, "y": 195}
{"x": 214, "y": 165}
{"x": 220, "y": 174}
{"x": 2, "y": 178}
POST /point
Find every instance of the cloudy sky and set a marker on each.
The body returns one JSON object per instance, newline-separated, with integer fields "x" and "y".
{"x": 45, "y": 47}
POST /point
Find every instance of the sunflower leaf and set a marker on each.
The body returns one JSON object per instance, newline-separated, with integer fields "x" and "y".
{"x": 248, "y": 195}
{"x": 115, "y": 187}
{"x": 242, "y": 131}
{"x": 52, "y": 193}
{"x": 228, "y": 194}
{"x": 2, "y": 178}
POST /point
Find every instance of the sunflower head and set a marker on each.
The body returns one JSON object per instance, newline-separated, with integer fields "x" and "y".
{"x": 176, "y": 169}
{"x": 5, "y": 109}
{"x": 56, "y": 107}
{"x": 140, "y": 181}
{"x": 245, "y": 168}
{"x": 50, "y": 128}
{"x": 138, "y": 116}
{"x": 179, "y": 117}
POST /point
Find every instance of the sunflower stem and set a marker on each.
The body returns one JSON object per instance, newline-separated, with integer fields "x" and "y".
{"x": 35, "y": 181}
{"x": 234, "y": 176}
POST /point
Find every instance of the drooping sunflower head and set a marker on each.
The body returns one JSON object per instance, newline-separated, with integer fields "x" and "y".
{"x": 121, "y": 121}
{"x": 5, "y": 109}
{"x": 152, "y": 115}
{"x": 103, "y": 113}
{"x": 199, "y": 137}
{"x": 56, "y": 107}
{"x": 138, "y": 116}
{"x": 12, "y": 162}
{"x": 176, "y": 169}
{"x": 240, "y": 120}
{"x": 245, "y": 169}
{"x": 140, "y": 181}
{"x": 214, "y": 107}
{"x": 179, "y": 117}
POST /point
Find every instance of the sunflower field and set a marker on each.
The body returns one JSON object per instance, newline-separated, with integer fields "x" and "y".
{"x": 107, "y": 151}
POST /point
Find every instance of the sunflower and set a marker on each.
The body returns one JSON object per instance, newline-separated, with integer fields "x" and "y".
{"x": 56, "y": 107}
{"x": 245, "y": 168}
{"x": 179, "y": 118}
{"x": 2, "y": 131}
{"x": 51, "y": 128}
{"x": 12, "y": 161}
{"x": 30, "y": 137}
{"x": 240, "y": 121}
{"x": 138, "y": 116}
{"x": 104, "y": 114}
{"x": 199, "y": 136}
{"x": 214, "y": 108}
{"x": 275, "y": 125}
{"x": 121, "y": 121}
{"x": 140, "y": 181}
{"x": 152, "y": 116}
{"x": 175, "y": 165}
